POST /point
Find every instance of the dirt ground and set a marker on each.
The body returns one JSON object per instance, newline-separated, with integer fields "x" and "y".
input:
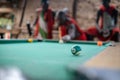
{"x": 109, "y": 58}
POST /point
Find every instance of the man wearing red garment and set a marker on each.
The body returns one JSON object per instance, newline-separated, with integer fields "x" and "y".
{"x": 106, "y": 23}
{"x": 44, "y": 21}
{"x": 69, "y": 28}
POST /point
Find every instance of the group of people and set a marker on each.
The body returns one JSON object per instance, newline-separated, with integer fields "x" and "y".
{"x": 105, "y": 29}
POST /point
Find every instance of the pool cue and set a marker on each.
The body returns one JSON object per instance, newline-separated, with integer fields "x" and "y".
{"x": 60, "y": 35}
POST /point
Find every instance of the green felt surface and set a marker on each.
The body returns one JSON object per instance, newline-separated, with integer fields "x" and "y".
{"x": 45, "y": 59}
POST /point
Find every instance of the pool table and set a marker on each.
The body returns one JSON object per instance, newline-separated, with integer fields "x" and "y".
{"x": 46, "y": 59}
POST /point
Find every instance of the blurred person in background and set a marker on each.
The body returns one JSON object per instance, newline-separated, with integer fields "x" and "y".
{"x": 106, "y": 22}
{"x": 44, "y": 21}
{"x": 68, "y": 28}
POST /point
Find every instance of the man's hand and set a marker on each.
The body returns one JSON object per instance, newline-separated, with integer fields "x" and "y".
{"x": 99, "y": 30}
{"x": 106, "y": 33}
{"x": 66, "y": 38}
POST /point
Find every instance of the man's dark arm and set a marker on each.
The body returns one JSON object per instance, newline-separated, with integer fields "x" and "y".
{"x": 99, "y": 13}
{"x": 53, "y": 14}
{"x": 115, "y": 14}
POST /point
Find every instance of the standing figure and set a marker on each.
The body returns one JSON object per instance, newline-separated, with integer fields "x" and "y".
{"x": 44, "y": 21}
